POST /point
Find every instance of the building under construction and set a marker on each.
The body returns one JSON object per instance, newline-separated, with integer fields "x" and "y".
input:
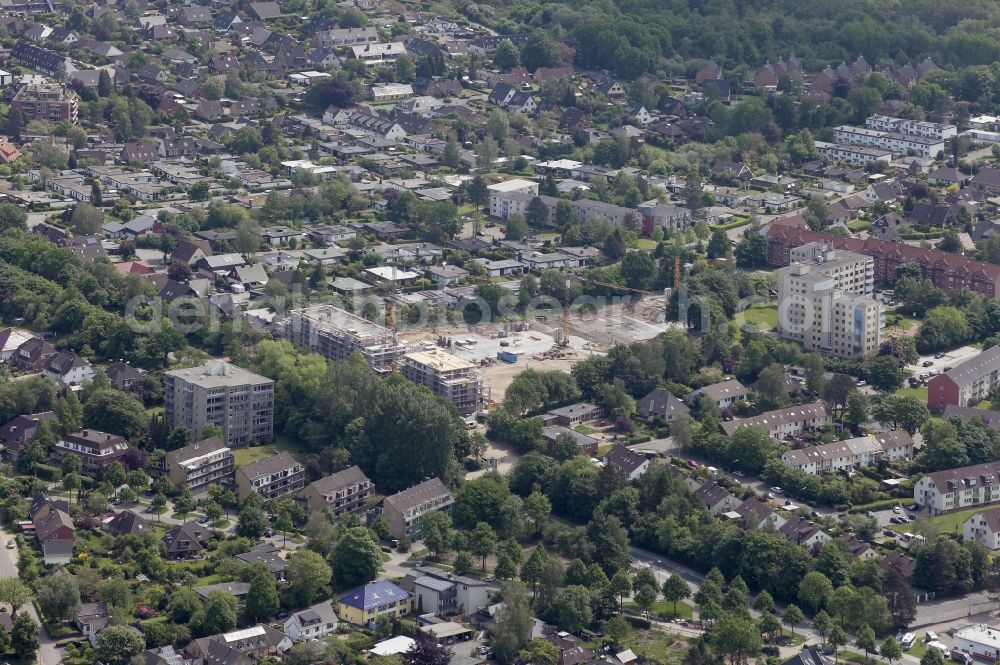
{"x": 336, "y": 333}
{"x": 448, "y": 376}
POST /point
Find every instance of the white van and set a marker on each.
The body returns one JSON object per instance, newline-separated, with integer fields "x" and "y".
{"x": 930, "y": 636}
{"x": 907, "y": 641}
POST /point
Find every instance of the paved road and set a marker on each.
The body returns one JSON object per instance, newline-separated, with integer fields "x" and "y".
{"x": 48, "y": 653}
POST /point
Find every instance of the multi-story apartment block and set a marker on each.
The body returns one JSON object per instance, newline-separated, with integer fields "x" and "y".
{"x": 898, "y": 144}
{"x": 458, "y": 381}
{"x": 855, "y": 155}
{"x": 336, "y": 333}
{"x": 238, "y": 401}
{"x": 405, "y": 510}
{"x": 664, "y": 216}
{"x": 849, "y": 454}
{"x": 511, "y": 197}
{"x": 928, "y": 130}
{"x": 47, "y": 101}
{"x": 965, "y": 385}
{"x": 346, "y": 491}
{"x": 951, "y": 489}
{"x": 201, "y": 465}
{"x": 781, "y": 423}
{"x": 271, "y": 477}
{"x": 824, "y": 301}
{"x": 97, "y": 450}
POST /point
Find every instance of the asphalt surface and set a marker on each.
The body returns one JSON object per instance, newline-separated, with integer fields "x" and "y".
{"x": 48, "y": 653}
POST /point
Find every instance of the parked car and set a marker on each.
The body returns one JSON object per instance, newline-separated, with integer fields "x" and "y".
{"x": 961, "y": 657}
{"x": 938, "y": 356}
{"x": 860, "y": 383}
{"x": 927, "y": 363}
{"x": 896, "y": 509}
{"x": 776, "y": 489}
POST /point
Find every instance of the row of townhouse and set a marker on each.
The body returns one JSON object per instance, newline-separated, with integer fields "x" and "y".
{"x": 782, "y": 423}
{"x": 850, "y": 454}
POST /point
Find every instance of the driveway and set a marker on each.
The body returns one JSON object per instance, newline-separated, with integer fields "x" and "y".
{"x": 48, "y": 653}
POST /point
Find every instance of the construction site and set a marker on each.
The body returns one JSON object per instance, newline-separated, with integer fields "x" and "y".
{"x": 471, "y": 365}
{"x": 335, "y": 333}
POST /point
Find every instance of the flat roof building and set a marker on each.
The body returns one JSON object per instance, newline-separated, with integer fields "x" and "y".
{"x": 201, "y": 465}
{"x": 336, "y": 333}
{"x": 824, "y": 301}
{"x": 456, "y": 380}
{"x": 234, "y": 399}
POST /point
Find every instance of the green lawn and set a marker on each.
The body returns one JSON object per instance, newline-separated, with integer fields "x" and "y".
{"x": 765, "y": 316}
{"x": 918, "y": 649}
{"x": 645, "y": 243}
{"x": 920, "y": 393}
{"x": 253, "y": 453}
{"x": 905, "y": 324}
{"x": 947, "y": 523}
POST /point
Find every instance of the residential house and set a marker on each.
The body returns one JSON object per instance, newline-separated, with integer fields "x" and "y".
{"x": 312, "y": 623}
{"x": 440, "y": 592}
{"x": 984, "y": 527}
{"x": 32, "y": 355}
{"x": 575, "y": 414}
{"x": 125, "y": 377}
{"x": 126, "y": 523}
{"x": 97, "y": 451}
{"x": 54, "y": 530}
{"x": 268, "y": 555}
{"x": 661, "y": 403}
{"x": 755, "y": 514}
{"x": 626, "y": 461}
{"x": 801, "y": 531}
{"x": 724, "y": 394}
{"x": 716, "y": 498}
{"x": 185, "y": 541}
{"x": 587, "y": 444}
{"x": 68, "y": 368}
{"x": 91, "y": 619}
{"x": 18, "y": 432}
{"x": 363, "y": 605}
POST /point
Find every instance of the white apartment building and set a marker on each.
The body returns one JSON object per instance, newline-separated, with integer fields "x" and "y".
{"x": 855, "y": 155}
{"x": 942, "y": 491}
{"x": 511, "y": 197}
{"x": 898, "y": 144}
{"x": 238, "y": 401}
{"x": 824, "y": 301}
{"x": 928, "y": 130}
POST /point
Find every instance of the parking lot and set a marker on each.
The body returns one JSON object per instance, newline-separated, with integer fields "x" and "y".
{"x": 925, "y": 365}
